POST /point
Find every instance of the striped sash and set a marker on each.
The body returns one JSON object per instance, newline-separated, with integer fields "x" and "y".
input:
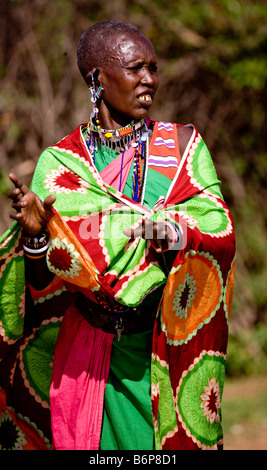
{"x": 164, "y": 150}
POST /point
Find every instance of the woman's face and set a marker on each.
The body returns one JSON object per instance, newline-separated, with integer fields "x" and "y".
{"x": 130, "y": 81}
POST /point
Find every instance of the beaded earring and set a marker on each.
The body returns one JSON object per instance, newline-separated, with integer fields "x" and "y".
{"x": 95, "y": 95}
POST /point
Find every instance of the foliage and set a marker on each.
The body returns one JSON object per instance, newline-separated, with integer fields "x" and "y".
{"x": 4, "y": 185}
{"x": 247, "y": 352}
{"x": 213, "y": 72}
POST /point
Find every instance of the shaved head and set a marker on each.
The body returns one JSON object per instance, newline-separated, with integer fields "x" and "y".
{"x": 97, "y": 43}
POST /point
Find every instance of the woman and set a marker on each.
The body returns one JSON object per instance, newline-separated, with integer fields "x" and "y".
{"x": 129, "y": 265}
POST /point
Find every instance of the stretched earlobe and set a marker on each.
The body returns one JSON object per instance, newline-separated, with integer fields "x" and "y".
{"x": 96, "y": 94}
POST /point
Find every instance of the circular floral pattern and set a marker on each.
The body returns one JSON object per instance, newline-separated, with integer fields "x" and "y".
{"x": 63, "y": 180}
{"x": 198, "y": 399}
{"x": 192, "y": 296}
{"x": 62, "y": 259}
{"x": 35, "y": 360}
{"x": 211, "y": 401}
{"x": 11, "y": 436}
{"x": 18, "y": 432}
{"x": 184, "y": 296}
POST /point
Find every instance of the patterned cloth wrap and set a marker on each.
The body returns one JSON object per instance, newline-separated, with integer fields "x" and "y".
{"x": 89, "y": 253}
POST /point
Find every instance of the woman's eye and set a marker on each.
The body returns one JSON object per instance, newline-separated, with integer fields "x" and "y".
{"x": 153, "y": 68}
{"x": 136, "y": 67}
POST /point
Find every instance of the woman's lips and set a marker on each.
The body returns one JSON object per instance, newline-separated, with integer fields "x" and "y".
{"x": 145, "y": 99}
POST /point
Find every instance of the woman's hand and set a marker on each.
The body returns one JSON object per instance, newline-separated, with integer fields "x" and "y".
{"x": 159, "y": 232}
{"x": 31, "y": 213}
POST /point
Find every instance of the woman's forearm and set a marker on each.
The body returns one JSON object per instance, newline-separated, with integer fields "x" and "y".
{"x": 36, "y": 270}
{"x": 37, "y": 273}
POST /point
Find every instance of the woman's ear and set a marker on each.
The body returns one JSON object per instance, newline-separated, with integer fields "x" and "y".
{"x": 98, "y": 77}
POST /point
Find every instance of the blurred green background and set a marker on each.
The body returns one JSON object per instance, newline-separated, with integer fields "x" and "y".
{"x": 212, "y": 59}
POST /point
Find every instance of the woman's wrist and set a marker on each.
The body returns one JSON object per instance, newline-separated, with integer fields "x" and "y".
{"x": 36, "y": 246}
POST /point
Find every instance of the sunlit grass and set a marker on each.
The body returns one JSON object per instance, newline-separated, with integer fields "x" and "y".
{"x": 245, "y": 413}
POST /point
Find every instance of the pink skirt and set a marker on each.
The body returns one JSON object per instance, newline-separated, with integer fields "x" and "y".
{"x": 80, "y": 374}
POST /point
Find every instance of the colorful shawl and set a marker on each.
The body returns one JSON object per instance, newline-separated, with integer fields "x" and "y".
{"x": 89, "y": 253}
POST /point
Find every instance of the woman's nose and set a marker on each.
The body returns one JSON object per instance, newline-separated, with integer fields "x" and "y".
{"x": 148, "y": 77}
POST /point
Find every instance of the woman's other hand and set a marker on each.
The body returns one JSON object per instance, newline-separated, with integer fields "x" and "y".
{"x": 30, "y": 212}
{"x": 159, "y": 233}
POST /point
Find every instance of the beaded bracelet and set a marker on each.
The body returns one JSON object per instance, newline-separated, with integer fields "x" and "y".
{"x": 36, "y": 247}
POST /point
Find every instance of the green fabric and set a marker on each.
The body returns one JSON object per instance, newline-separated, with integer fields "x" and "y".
{"x": 12, "y": 284}
{"x": 127, "y": 421}
{"x": 158, "y": 181}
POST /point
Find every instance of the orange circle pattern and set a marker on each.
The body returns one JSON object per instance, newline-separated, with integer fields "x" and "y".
{"x": 192, "y": 296}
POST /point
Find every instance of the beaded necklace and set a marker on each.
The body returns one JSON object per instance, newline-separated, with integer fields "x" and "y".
{"x": 135, "y": 134}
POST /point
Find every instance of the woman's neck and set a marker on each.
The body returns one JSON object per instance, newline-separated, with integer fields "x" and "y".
{"x": 109, "y": 119}
{"x": 112, "y": 123}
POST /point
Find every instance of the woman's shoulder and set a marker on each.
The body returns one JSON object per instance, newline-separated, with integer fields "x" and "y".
{"x": 184, "y": 136}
